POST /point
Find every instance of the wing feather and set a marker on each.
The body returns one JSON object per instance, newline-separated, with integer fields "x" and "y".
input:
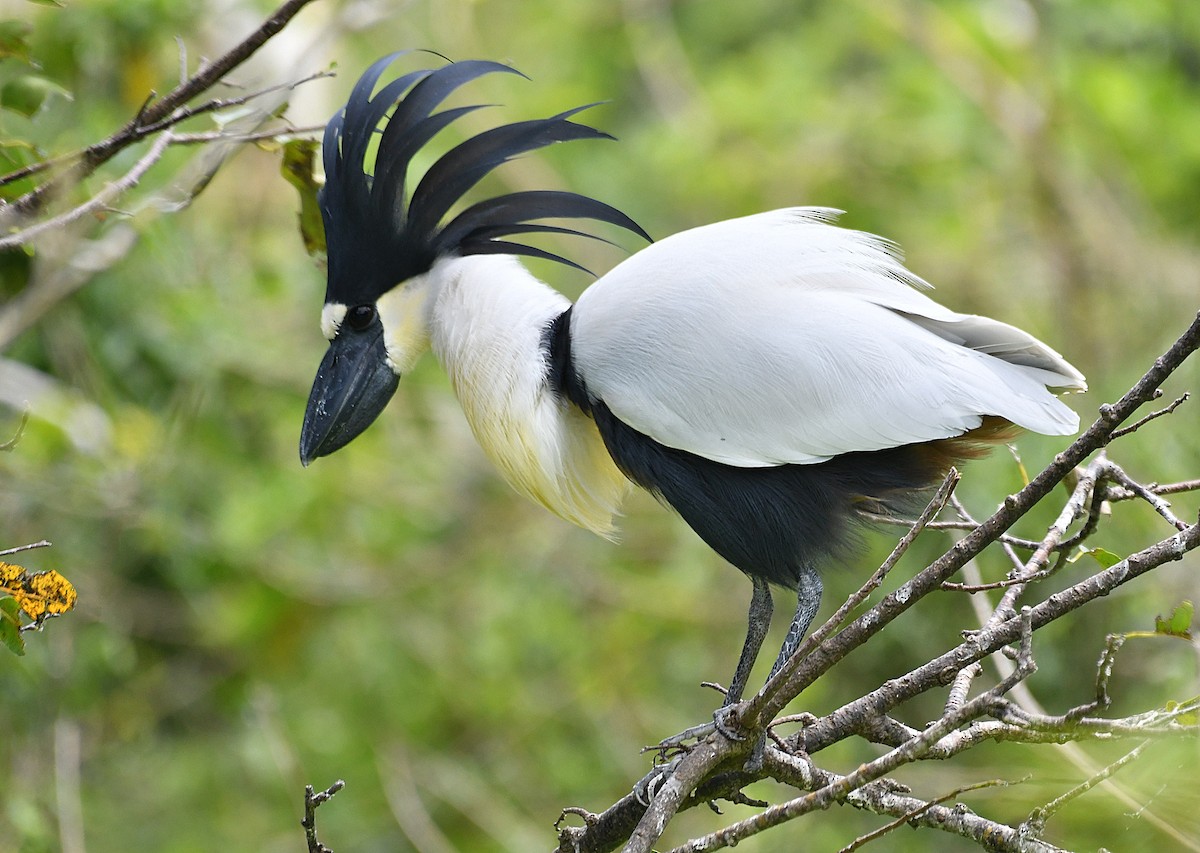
{"x": 781, "y": 339}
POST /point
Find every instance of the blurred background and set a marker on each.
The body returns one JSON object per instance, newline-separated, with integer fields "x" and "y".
{"x": 466, "y": 662}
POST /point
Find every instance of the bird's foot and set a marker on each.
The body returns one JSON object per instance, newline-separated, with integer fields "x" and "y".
{"x": 671, "y": 750}
{"x": 648, "y": 785}
{"x": 682, "y": 741}
{"x": 724, "y": 721}
{"x": 724, "y": 718}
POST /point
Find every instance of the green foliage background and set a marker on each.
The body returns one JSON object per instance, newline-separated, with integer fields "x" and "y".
{"x": 394, "y": 616}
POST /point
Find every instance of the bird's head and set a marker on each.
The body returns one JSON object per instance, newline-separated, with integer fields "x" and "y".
{"x": 382, "y": 242}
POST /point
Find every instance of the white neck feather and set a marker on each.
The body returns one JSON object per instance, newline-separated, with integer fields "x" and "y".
{"x": 487, "y": 323}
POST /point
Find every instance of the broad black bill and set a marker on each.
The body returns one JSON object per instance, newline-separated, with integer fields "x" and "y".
{"x": 354, "y": 383}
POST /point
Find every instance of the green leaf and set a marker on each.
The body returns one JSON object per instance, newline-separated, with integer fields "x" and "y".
{"x": 1106, "y": 559}
{"x": 1179, "y": 623}
{"x": 16, "y": 154}
{"x": 297, "y": 169}
{"x": 26, "y": 94}
{"x": 10, "y": 626}
{"x": 14, "y": 39}
{"x": 1189, "y": 718}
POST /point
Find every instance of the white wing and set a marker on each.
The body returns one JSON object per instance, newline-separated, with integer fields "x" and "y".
{"x": 778, "y": 338}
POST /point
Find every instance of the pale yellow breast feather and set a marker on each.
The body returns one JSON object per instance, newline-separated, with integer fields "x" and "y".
{"x": 488, "y": 320}
{"x": 548, "y": 451}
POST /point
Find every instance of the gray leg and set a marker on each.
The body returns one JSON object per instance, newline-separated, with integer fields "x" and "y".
{"x": 808, "y": 601}
{"x": 758, "y": 621}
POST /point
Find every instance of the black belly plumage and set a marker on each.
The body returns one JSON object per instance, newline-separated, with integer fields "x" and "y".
{"x": 771, "y": 522}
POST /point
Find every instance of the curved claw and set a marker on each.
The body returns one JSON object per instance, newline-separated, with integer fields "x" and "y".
{"x": 721, "y": 719}
{"x": 648, "y": 785}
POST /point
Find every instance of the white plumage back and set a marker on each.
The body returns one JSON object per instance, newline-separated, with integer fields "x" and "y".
{"x": 779, "y": 338}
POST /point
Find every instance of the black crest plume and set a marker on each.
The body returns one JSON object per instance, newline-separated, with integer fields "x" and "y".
{"x": 376, "y": 236}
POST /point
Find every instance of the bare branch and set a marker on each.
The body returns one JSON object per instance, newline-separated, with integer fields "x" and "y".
{"x": 100, "y": 201}
{"x": 1162, "y": 507}
{"x": 886, "y": 798}
{"x": 714, "y": 767}
{"x": 1150, "y": 722}
{"x": 690, "y": 771}
{"x": 42, "y": 544}
{"x": 1136, "y": 425}
{"x": 312, "y": 800}
{"x": 837, "y": 791}
{"x": 831, "y": 727}
{"x": 257, "y": 136}
{"x": 1035, "y": 824}
{"x": 910, "y": 815}
{"x": 216, "y": 104}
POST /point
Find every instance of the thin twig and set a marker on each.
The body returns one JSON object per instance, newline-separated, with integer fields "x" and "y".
{"x": 96, "y": 203}
{"x": 959, "y": 689}
{"x": 1104, "y": 668}
{"x": 1172, "y": 488}
{"x": 1075, "y": 508}
{"x": 181, "y": 45}
{"x": 877, "y": 518}
{"x": 313, "y": 800}
{"x": 42, "y": 544}
{"x": 216, "y": 104}
{"x": 37, "y": 168}
{"x": 92, "y": 157}
{"x": 204, "y": 138}
{"x": 907, "y": 817}
{"x": 1163, "y": 508}
{"x": 955, "y": 586}
{"x": 1136, "y": 425}
{"x": 1035, "y": 824}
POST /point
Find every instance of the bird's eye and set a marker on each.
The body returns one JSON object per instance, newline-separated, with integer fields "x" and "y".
{"x": 360, "y": 316}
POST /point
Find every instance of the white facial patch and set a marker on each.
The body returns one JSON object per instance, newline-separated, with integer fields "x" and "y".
{"x": 332, "y": 316}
